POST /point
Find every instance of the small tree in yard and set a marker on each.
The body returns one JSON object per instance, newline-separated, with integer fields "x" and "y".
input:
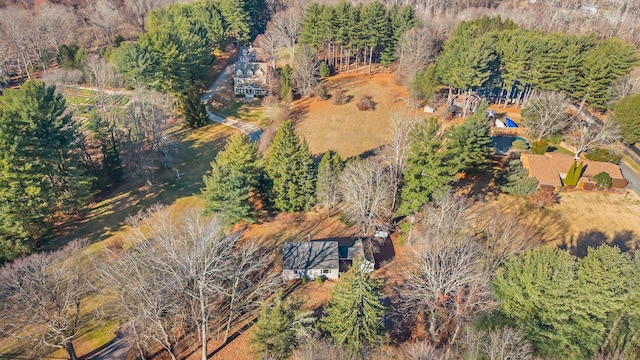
{"x": 355, "y": 315}
{"x": 193, "y": 110}
{"x": 516, "y": 180}
{"x": 603, "y": 180}
{"x": 280, "y": 327}
{"x": 321, "y": 92}
{"x": 329, "y": 170}
{"x": 539, "y": 147}
{"x": 543, "y": 198}
{"x": 324, "y": 69}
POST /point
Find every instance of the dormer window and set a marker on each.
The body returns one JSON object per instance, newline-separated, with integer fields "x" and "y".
{"x": 259, "y": 72}
{"x": 249, "y": 73}
{"x": 239, "y": 72}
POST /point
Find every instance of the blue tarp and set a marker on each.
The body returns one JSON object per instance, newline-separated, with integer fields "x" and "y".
{"x": 510, "y": 123}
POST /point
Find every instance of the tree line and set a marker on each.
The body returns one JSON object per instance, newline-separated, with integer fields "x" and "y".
{"x": 488, "y": 53}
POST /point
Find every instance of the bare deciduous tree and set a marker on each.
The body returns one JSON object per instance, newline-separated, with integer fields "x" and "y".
{"x": 318, "y": 348}
{"x": 415, "y": 51}
{"x": 422, "y": 350}
{"x": 499, "y": 344}
{"x": 365, "y": 187}
{"x": 147, "y": 143}
{"x": 584, "y": 136}
{"x": 268, "y": 46}
{"x": 209, "y": 275}
{"x": 448, "y": 283}
{"x": 395, "y": 152}
{"x": 305, "y": 69}
{"x": 546, "y": 114}
{"x": 286, "y": 25}
{"x": 45, "y": 290}
{"x": 503, "y": 235}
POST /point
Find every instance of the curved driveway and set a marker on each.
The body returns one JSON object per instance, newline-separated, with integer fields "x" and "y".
{"x": 252, "y": 131}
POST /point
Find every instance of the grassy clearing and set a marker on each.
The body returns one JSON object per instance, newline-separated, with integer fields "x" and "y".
{"x": 83, "y": 100}
{"x": 247, "y": 110}
{"x": 345, "y": 129}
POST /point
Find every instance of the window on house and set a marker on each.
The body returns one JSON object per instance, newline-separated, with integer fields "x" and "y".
{"x": 239, "y": 72}
{"x": 326, "y": 271}
{"x": 249, "y": 73}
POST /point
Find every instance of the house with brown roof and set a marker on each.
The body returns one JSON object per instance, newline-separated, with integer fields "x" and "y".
{"x": 549, "y": 169}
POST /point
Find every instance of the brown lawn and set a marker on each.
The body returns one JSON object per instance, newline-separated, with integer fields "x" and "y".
{"x": 345, "y": 129}
{"x": 593, "y": 218}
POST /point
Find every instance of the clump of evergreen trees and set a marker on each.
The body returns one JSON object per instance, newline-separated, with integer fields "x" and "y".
{"x": 488, "y": 53}
{"x": 175, "y": 51}
{"x": 41, "y": 168}
{"x": 370, "y": 33}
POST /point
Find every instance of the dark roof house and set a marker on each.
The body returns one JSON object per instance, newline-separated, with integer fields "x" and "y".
{"x": 310, "y": 259}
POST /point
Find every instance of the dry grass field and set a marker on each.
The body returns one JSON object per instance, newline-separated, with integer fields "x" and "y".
{"x": 593, "y": 218}
{"x": 345, "y": 129}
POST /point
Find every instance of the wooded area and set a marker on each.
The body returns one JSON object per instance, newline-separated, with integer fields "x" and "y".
{"x": 471, "y": 279}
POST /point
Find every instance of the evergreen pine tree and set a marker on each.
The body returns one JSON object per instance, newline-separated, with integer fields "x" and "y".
{"x": 470, "y": 143}
{"x": 227, "y": 194}
{"x": 327, "y": 184}
{"x": 289, "y": 166}
{"x": 235, "y": 176}
{"x": 429, "y": 169}
{"x": 193, "y": 110}
{"x": 355, "y": 314}
{"x": 279, "y": 328}
{"x": 41, "y": 172}
{"x": 627, "y": 113}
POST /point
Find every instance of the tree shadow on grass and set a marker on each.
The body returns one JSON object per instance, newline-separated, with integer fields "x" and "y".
{"x": 626, "y": 240}
{"x": 102, "y": 220}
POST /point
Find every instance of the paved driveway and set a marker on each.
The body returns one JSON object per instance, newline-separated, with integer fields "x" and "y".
{"x": 632, "y": 177}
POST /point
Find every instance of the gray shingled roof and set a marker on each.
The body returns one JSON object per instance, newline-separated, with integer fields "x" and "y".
{"x": 310, "y": 255}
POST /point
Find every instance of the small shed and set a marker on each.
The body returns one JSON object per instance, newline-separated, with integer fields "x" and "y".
{"x": 310, "y": 259}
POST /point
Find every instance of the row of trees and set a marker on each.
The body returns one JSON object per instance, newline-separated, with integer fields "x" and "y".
{"x": 420, "y": 162}
{"x": 367, "y": 32}
{"x": 489, "y": 53}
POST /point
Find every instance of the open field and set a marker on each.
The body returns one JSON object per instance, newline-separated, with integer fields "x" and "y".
{"x": 345, "y": 129}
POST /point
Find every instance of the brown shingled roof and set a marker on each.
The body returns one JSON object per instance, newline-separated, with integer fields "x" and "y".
{"x": 548, "y": 167}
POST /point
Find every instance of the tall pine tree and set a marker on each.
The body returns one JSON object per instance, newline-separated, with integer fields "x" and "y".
{"x": 327, "y": 184}
{"x": 470, "y": 143}
{"x": 41, "y": 172}
{"x": 235, "y": 177}
{"x": 193, "y": 110}
{"x": 289, "y": 167}
{"x": 429, "y": 168}
{"x": 355, "y": 314}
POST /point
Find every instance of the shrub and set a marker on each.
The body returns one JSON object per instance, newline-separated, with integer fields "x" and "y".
{"x": 366, "y": 104}
{"x": 573, "y": 175}
{"x": 520, "y": 145}
{"x": 555, "y": 139}
{"x": 603, "y": 155}
{"x": 337, "y": 97}
{"x": 539, "y": 147}
{"x": 319, "y": 280}
{"x": 324, "y": 69}
{"x": 603, "y": 180}
{"x": 543, "y": 198}
{"x": 321, "y": 92}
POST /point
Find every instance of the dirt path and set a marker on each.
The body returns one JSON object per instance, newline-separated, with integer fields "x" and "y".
{"x": 220, "y": 85}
